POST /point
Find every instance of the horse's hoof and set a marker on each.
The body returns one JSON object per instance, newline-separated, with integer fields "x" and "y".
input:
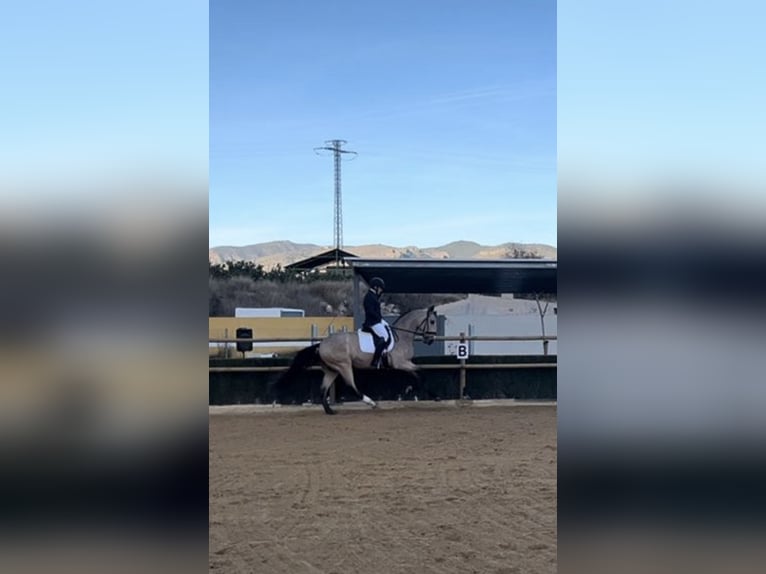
{"x": 369, "y": 401}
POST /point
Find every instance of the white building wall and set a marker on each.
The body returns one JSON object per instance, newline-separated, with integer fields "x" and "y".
{"x": 520, "y": 324}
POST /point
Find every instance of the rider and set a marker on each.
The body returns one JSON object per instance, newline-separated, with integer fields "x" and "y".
{"x": 373, "y": 320}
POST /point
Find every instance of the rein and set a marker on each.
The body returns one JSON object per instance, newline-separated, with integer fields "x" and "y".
{"x": 417, "y": 331}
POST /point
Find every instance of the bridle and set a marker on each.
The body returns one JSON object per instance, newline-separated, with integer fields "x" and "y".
{"x": 421, "y": 329}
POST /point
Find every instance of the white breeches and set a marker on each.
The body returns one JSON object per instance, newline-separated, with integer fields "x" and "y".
{"x": 380, "y": 330}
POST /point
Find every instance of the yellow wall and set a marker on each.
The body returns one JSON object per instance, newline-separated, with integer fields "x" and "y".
{"x": 274, "y": 327}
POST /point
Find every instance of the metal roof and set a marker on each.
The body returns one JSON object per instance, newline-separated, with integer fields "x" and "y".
{"x": 320, "y": 259}
{"x": 460, "y": 275}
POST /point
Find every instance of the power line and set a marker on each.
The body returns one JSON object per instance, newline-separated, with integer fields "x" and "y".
{"x": 335, "y": 146}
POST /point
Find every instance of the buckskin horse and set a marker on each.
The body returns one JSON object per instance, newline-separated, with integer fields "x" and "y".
{"x": 339, "y": 353}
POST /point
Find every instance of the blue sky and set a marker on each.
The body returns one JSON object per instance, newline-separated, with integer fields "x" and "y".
{"x": 658, "y": 92}
{"x": 451, "y": 106}
{"x": 94, "y": 90}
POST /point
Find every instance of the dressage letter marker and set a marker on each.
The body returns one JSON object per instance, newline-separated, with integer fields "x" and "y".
{"x": 462, "y": 351}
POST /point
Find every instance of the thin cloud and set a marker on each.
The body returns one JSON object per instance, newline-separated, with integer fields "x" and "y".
{"x": 475, "y": 94}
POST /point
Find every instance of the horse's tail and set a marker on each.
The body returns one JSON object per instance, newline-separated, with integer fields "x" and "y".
{"x": 303, "y": 359}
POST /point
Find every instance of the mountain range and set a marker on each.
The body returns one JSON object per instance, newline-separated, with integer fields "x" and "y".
{"x": 284, "y": 253}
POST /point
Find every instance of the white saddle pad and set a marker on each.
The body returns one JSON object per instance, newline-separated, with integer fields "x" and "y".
{"x": 367, "y": 345}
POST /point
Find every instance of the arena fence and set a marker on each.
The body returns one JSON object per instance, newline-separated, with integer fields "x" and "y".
{"x": 544, "y": 366}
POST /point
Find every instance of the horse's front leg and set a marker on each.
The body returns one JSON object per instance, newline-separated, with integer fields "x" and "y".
{"x": 414, "y": 385}
{"x": 418, "y": 387}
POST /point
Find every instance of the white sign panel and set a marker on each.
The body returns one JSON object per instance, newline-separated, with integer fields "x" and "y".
{"x": 461, "y": 352}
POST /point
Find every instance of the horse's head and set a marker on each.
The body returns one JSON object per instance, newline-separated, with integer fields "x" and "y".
{"x": 429, "y": 326}
{"x": 420, "y": 323}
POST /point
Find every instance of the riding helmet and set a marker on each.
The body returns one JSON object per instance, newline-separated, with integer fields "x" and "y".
{"x": 377, "y": 282}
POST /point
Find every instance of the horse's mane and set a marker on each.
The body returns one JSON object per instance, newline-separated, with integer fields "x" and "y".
{"x": 406, "y": 312}
{"x": 403, "y": 314}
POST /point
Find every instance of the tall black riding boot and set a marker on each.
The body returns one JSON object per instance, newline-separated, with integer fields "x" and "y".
{"x": 380, "y": 344}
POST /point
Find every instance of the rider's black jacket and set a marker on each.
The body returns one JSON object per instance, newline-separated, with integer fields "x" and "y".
{"x": 371, "y": 309}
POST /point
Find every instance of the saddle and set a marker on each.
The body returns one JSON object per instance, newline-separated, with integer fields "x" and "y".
{"x": 367, "y": 341}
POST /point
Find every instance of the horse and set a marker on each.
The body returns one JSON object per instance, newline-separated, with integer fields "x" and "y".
{"x": 339, "y": 353}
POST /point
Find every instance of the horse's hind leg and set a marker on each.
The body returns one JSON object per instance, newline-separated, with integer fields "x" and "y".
{"x": 327, "y": 381}
{"x": 348, "y": 375}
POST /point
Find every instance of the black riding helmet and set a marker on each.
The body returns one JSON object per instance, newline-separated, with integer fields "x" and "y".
{"x": 377, "y": 282}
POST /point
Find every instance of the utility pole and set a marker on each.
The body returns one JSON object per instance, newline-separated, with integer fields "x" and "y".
{"x": 335, "y": 146}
